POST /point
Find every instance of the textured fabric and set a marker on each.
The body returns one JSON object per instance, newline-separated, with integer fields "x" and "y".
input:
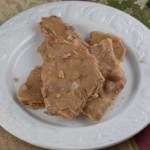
{"x": 137, "y": 8}
{"x": 143, "y": 139}
{"x": 9, "y": 8}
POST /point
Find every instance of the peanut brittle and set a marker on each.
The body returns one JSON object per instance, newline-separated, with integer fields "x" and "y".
{"x": 114, "y": 79}
{"x": 30, "y": 92}
{"x": 54, "y": 28}
{"x": 69, "y": 77}
{"x": 118, "y": 46}
{"x": 75, "y": 77}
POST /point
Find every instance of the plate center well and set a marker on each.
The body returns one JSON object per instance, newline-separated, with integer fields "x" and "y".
{"x": 25, "y": 57}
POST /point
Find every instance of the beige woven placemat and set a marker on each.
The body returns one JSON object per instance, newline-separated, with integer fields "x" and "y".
{"x": 9, "y": 8}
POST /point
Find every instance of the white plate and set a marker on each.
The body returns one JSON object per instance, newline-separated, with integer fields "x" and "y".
{"x": 19, "y": 39}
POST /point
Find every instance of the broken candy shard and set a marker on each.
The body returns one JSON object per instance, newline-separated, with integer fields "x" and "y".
{"x": 119, "y": 47}
{"x": 114, "y": 79}
{"x": 69, "y": 75}
{"x": 30, "y": 92}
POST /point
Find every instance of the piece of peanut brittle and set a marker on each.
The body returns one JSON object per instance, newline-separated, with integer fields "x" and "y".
{"x": 119, "y": 47}
{"x": 69, "y": 75}
{"x": 114, "y": 79}
{"x": 30, "y": 92}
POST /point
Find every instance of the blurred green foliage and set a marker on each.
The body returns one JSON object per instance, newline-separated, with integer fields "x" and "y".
{"x": 140, "y": 9}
